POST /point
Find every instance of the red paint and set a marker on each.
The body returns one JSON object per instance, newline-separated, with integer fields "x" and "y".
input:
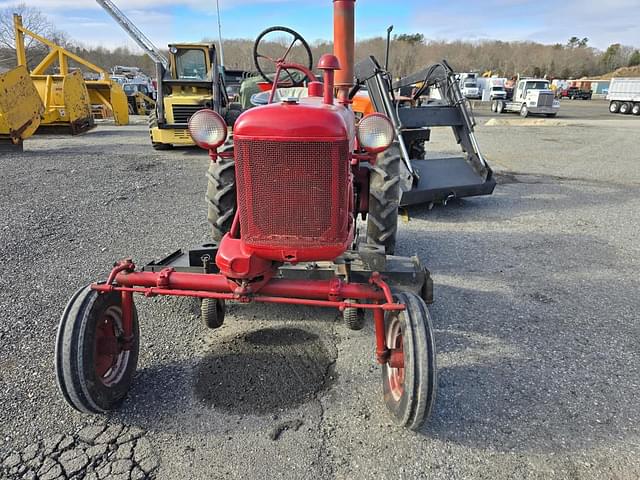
{"x": 328, "y": 64}
{"x": 234, "y": 261}
{"x": 382, "y": 352}
{"x": 127, "y": 318}
{"x": 276, "y": 287}
{"x": 293, "y": 169}
{"x": 344, "y": 45}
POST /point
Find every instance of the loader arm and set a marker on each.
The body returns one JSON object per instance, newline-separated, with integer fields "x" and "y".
{"x": 434, "y": 179}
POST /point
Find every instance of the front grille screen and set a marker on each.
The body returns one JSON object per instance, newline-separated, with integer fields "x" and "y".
{"x": 182, "y": 113}
{"x": 293, "y": 193}
{"x": 545, "y": 100}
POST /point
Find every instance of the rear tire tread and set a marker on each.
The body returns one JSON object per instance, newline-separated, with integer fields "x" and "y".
{"x": 384, "y": 200}
{"x": 221, "y": 196}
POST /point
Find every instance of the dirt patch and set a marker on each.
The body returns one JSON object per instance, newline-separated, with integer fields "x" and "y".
{"x": 526, "y": 122}
{"x": 265, "y": 371}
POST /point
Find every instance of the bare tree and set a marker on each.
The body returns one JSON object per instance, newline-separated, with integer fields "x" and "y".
{"x": 32, "y": 19}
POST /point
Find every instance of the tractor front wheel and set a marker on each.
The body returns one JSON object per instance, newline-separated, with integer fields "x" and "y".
{"x": 212, "y": 311}
{"x": 221, "y": 195}
{"x": 384, "y": 199}
{"x": 95, "y": 363}
{"x": 409, "y": 378}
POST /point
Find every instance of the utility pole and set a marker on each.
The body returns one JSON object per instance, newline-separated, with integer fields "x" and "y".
{"x": 220, "y": 35}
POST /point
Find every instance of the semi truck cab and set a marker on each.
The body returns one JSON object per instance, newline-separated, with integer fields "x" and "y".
{"x": 531, "y": 96}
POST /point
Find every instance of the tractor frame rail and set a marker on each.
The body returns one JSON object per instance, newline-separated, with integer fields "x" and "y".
{"x": 334, "y": 284}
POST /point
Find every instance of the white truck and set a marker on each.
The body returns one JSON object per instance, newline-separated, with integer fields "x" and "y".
{"x": 531, "y": 96}
{"x": 470, "y": 89}
{"x": 469, "y": 85}
{"x": 624, "y": 95}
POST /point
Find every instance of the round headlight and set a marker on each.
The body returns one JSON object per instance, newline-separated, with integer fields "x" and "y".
{"x": 375, "y": 132}
{"x": 208, "y": 129}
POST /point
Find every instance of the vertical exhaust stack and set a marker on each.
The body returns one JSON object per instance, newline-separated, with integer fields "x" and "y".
{"x": 344, "y": 45}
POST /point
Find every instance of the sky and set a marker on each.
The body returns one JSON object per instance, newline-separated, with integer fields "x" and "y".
{"x": 166, "y": 21}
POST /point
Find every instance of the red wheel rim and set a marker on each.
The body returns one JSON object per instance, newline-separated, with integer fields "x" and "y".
{"x": 110, "y": 359}
{"x": 395, "y": 376}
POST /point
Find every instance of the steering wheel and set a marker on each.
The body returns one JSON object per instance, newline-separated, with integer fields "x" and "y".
{"x": 279, "y": 53}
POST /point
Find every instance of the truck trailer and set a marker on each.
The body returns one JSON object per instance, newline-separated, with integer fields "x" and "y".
{"x": 624, "y": 95}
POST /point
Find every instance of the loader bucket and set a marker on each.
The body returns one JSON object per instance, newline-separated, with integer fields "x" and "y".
{"x": 66, "y": 103}
{"x": 111, "y": 95}
{"x": 20, "y": 107}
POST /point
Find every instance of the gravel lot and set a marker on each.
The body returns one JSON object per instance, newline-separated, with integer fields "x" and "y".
{"x": 536, "y": 316}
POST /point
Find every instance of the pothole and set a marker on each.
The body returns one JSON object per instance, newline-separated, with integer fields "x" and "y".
{"x": 264, "y": 371}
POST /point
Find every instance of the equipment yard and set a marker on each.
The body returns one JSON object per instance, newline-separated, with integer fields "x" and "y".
{"x": 535, "y": 314}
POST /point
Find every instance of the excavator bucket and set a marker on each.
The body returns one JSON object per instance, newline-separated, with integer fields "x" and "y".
{"x": 66, "y": 103}
{"x": 20, "y": 108}
{"x": 110, "y": 94}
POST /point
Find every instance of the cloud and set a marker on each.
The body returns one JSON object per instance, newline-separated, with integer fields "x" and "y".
{"x": 139, "y": 4}
{"x": 546, "y": 21}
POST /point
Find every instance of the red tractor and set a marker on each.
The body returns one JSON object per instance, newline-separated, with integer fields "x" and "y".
{"x": 304, "y": 171}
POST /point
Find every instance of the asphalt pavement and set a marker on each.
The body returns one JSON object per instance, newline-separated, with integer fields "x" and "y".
{"x": 536, "y": 301}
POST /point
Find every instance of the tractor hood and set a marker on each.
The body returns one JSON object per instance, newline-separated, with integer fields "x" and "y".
{"x": 299, "y": 119}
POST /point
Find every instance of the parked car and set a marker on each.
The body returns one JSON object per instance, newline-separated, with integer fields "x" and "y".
{"x": 577, "y": 93}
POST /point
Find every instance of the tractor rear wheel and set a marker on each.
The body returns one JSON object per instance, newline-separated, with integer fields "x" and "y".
{"x": 95, "y": 363}
{"x": 384, "y": 199}
{"x": 410, "y": 388}
{"x": 221, "y": 195}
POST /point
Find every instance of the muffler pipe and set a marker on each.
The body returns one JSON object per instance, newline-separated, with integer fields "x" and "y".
{"x": 344, "y": 45}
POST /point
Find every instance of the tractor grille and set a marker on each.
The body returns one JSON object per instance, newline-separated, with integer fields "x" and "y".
{"x": 182, "y": 113}
{"x": 545, "y": 99}
{"x": 293, "y": 193}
